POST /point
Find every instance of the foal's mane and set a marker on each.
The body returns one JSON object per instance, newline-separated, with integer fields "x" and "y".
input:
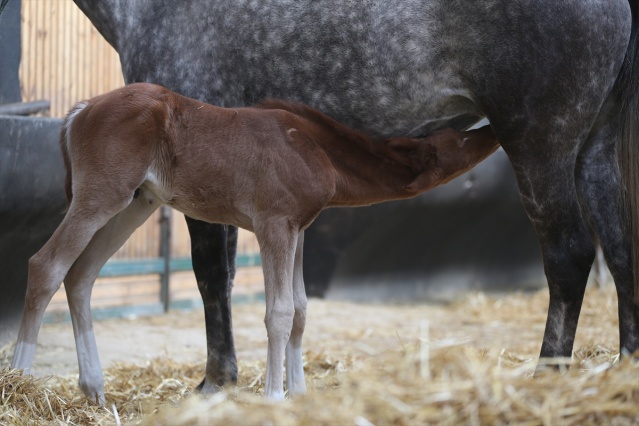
{"x": 321, "y": 119}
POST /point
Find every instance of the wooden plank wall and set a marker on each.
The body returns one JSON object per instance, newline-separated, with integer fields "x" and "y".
{"x": 66, "y": 60}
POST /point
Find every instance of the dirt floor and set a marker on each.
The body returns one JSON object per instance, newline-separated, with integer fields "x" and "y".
{"x": 362, "y": 360}
{"x": 513, "y": 323}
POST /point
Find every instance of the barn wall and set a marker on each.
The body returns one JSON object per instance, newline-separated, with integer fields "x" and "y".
{"x": 64, "y": 58}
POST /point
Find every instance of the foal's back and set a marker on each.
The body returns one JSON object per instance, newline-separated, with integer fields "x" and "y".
{"x": 214, "y": 164}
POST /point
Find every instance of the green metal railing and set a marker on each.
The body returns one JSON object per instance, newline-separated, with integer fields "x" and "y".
{"x": 129, "y": 267}
{"x": 150, "y": 266}
{"x": 162, "y": 265}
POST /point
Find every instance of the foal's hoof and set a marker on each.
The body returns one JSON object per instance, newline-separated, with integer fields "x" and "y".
{"x": 94, "y": 392}
{"x": 297, "y": 391}
{"x": 274, "y": 397}
{"x": 97, "y": 399}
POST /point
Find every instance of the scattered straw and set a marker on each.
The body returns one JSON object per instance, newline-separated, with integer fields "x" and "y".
{"x": 470, "y": 377}
{"x": 467, "y": 386}
{"x": 27, "y": 400}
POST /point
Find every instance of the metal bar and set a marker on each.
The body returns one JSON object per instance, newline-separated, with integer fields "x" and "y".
{"x": 181, "y": 264}
{"x": 25, "y": 108}
{"x": 123, "y": 268}
{"x": 165, "y": 254}
{"x": 146, "y": 309}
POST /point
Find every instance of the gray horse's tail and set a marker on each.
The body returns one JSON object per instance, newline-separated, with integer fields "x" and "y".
{"x": 628, "y": 86}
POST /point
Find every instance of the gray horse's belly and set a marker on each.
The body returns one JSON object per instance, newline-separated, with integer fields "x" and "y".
{"x": 373, "y": 110}
{"x": 392, "y": 68}
{"x": 375, "y": 65}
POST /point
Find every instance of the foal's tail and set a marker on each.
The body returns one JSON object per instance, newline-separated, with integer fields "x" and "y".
{"x": 628, "y": 87}
{"x": 65, "y": 140}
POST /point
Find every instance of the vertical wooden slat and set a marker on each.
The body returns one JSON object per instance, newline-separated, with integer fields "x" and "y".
{"x": 40, "y": 72}
{"x": 82, "y": 46}
{"x": 66, "y": 57}
{"x": 56, "y": 49}
{"x": 51, "y": 28}
{"x": 26, "y": 46}
{"x": 50, "y": 68}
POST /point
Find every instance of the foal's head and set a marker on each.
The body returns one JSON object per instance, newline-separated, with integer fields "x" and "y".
{"x": 442, "y": 155}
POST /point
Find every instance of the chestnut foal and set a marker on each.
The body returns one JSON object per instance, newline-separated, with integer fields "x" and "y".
{"x": 270, "y": 169}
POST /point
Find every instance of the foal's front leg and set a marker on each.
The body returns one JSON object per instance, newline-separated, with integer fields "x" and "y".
{"x": 294, "y": 366}
{"x": 277, "y": 240}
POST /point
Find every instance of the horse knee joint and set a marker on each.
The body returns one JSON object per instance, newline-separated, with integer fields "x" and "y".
{"x": 279, "y": 322}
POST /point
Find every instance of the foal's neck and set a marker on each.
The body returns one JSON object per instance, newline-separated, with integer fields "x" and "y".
{"x": 365, "y": 175}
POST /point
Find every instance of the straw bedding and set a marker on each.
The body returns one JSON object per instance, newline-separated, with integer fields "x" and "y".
{"x": 469, "y": 363}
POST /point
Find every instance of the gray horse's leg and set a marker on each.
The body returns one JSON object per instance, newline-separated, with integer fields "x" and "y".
{"x": 213, "y": 252}
{"x": 600, "y": 194}
{"x": 549, "y": 197}
{"x": 542, "y": 121}
{"x": 543, "y": 153}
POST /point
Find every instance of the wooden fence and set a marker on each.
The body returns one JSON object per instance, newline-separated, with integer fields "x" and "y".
{"x": 66, "y": 60}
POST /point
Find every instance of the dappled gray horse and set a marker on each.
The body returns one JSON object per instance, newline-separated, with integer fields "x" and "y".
{"x": 557, "y": 80}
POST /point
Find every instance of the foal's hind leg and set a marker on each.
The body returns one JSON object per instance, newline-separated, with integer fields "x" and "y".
{"x": 294, "y": 365}
{"x": 79, "y": 281}
{"x": 599, "y": 186}
{"x": 49, "y": 266}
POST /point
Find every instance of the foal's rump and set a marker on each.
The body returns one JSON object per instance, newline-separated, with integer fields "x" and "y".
{"x": 111, "y": 142}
